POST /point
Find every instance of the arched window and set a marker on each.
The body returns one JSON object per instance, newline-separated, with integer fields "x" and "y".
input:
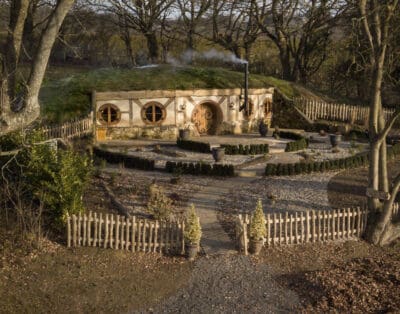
{"x": 153, "y": 113}
{"x": 109, "y": 114}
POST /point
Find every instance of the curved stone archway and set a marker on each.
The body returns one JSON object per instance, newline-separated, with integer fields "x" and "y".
{"x": 207, "y": 117}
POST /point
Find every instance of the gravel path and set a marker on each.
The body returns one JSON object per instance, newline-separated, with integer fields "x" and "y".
{"x": 230, "y": 284}
{"x": 292, "y": 193}
{"x": 214, "y": 240}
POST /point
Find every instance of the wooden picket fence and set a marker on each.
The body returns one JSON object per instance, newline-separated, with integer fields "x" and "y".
{"x": 69, "y": 129}
{"x": 319, "y": 110}
{"x": 121, "y": 233}
{"x": 308, "y": 226}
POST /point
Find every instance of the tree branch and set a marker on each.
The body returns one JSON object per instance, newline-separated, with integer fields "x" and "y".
{"x": 382, "y": 135}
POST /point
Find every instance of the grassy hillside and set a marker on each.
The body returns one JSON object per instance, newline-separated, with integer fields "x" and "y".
{"x": 69, "y": 97}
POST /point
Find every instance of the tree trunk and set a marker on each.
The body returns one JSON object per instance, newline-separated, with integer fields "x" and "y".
{"x": 129, "y": 51}
{"x": 247, "y": 51}
{"x": 31, "y": 109}
{"x": 152, "y": 46}
{"x": 18, "y": 13}
{"x": 190, "y": 45}
{"x": 284, "y": 57}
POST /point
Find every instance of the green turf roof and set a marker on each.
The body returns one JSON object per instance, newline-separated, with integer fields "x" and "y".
{"x": 69, "y": 97}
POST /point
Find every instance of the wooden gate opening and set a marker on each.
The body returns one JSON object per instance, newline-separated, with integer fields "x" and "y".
{"x": 207, "y": 117}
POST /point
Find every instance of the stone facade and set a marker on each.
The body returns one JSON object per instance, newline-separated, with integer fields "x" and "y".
{"x": 159, "y": 114}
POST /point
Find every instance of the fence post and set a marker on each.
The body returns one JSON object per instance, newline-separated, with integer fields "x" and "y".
{"x": 308, "y": 225}
{"x": 133, "y": 235}
{"x": 79, "y": 229}
{"x": 268, "y": 218}
{"x": 96, "y": 227}
{"x": 106, "y": 231}
{"x": 182, "y": 237}
{"x": 75, "y": 230}
{"x": 68, "y": 230}
{"x": 117, "y": 226}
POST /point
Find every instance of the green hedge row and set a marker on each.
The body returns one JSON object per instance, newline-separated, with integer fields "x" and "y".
{"x": 358, "y": 160}
{"x": 253, "y": 149}
{"x": 128, "y": 161}
{"x": 300, "y": 142}
{"x": 290, "y": 135}
{"x": 317, "y": 166}
{"x": 296, "y": 145}
{"x": 200, "y": 169}
{"x": 193, "y": 146}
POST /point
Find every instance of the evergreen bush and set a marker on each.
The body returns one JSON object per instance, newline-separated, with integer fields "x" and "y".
{"x": 258, "y": 229}
{"x": 192, "y": 232}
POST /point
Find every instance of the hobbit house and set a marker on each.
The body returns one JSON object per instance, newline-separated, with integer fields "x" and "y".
{"x": 161, "y": 113}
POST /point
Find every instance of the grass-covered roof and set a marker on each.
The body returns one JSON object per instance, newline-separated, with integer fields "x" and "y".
{"x": 69, "y": 97}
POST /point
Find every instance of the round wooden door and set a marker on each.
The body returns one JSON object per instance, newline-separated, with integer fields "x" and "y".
{"x": 204, "y": 118}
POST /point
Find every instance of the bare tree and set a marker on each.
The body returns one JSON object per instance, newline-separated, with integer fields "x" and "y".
{"x": 191, "y": 14}
{"x": 234, "y": 26}
{"x": 375, "y": 18}
{"x": 300, "y": 30}
{"x": 18, "y": 110}
{"x": 142, "y": 16}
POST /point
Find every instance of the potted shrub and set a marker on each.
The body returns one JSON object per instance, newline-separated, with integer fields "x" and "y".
{"x": 218, "y": 153}
{"x": 335, "y": 139}
{"x": 184, "y": 134}
{"x": 258, "y": 230}
{"x": 192, "y": 233}
{"x": 276, "y": 133}
{"x": 263, "y": 128}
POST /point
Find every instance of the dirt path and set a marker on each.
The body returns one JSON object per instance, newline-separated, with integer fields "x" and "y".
{"x": 230, "y": 284}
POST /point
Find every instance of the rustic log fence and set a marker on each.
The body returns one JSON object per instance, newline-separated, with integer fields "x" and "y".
{"x": 308, "y": 226}
{"x": 319, "y": 110}
{"x": 121, "y": 233}
{"x": 69, "y": 129}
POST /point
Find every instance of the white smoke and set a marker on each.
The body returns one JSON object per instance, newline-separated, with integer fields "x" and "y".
{"x": 189, "y": 55}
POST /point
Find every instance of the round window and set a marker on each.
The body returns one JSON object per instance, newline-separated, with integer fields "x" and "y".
{"x": 109, "y": 114}
{"x": 153, "y": 113}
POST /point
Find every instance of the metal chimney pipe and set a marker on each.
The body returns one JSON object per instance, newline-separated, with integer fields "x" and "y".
{"x": 246, "y": 86}
{"x": 245, "y": 104}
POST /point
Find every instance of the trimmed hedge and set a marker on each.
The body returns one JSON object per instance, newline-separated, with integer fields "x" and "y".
{"x": 200, "y": 169}
{"x": 317, "y": 166}
{"x": 300, "y": 142}
{"x": 253, "y": 149}
{"x": 290, "y": 135}
{"x": 296, "y": 145}
{"x": 193, "y": 146}
{"x": 128, "y": 161}
{"x": 355, "y": 161}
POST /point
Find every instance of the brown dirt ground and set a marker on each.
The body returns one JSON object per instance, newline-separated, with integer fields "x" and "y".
{"x": 86, "y": 280}
{"x": 348, "y": 187}
{"x": 347, "y": 277}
